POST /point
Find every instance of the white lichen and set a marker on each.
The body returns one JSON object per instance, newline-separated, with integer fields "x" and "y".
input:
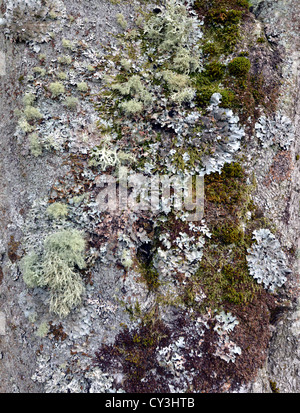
{"x": 267, "y": 262}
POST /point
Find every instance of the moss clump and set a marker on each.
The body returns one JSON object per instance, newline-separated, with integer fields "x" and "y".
{"x": 223, "y": 16}
{"x": 223, "y": 271}
{"x": 274, "y": 387}
{"x": 227, "y": 188}
{"x": 239, "y": 66}
{"x": 208, "y": 82}
{"x": 229, "y": 99}
{"x": 150, "y": 275}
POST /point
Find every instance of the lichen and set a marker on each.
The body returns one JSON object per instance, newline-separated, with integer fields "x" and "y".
{"x": 57, "y": 210}
{"x": 266, "y": 260}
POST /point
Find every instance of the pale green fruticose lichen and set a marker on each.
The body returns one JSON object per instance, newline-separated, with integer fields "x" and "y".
{"x": 29, "y": 99}
{"x": 65, "y": 60}
{"x": 62, "y": 75}
{"x": 121, "y": 21}
{"x": 57, "y": 210}
{"x": 71, "y": 102}
{"x": 267, "y": 262}
{"x": 36, "y": 147}
{"x": 32, "y": 113}
{"x": 67, "y": 44}
{"x": 105, "y": 155}
{"x": 171, "y": 28}
{"x": 56, "y": 88}
{"x": 55, "y": 268}
{"x": 43, "y": 330}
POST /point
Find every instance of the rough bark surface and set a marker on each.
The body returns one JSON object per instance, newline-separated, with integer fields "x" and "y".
{"x": 143, "y": 326}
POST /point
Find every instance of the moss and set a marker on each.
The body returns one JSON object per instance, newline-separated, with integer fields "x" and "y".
{"x": 229, "y": 99}
{"x": 223, "y": 272}
{"x": 223, "y": 16}
{"x": 222, "y": 21}
{"x": 210, "y": 48}
{"x": 215, "y": 70}
{"x": 239, "y": 66}
{"x": 28, "y": 99}
{"x": 150, "y": 275}
{"x": 208, "y": 82}
{"x": 204, "y": 94}
{"x": 228, "y": 233}
{"x": 135, "y": 350}
{"x": 39, "y": 70}
{"x": 261, "y": 39}
{"x": 228, "y": 191}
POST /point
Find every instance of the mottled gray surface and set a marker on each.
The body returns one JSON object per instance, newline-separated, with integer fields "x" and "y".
{"x": 32, "y": 364}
